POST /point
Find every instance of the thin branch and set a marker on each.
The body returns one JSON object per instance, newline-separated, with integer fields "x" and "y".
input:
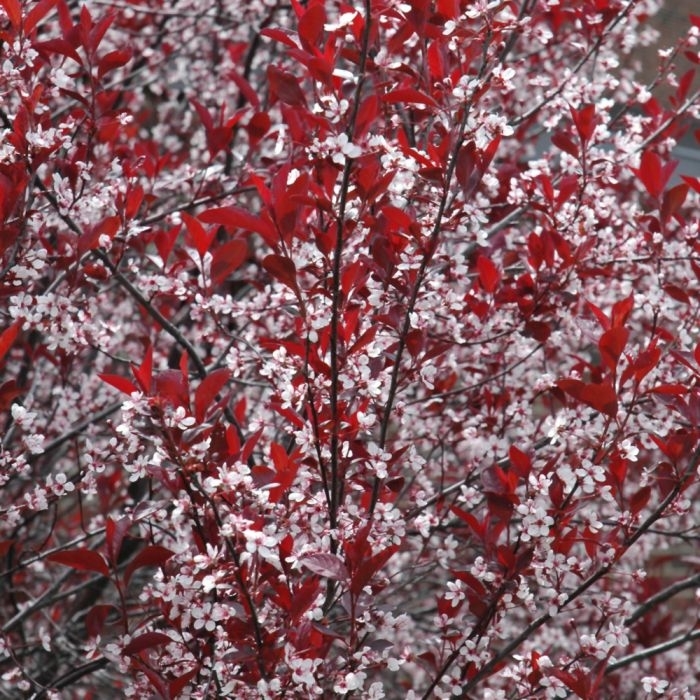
{"x": 658, "y": 513}
{"x": 689, "y": 636}
{"x": 77, "y": 429}
{"x": 72, "y": 676}
{"x": 336, "y": 487}
{"x": 662, "y": 596}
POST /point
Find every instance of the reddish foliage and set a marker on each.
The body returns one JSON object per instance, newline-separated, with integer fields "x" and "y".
{"x": 347, "y": 350}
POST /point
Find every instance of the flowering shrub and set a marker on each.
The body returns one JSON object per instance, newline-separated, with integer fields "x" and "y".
{"x": 347, "y": 350}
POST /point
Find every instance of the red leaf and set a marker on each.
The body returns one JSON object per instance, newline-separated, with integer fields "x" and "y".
{"x": 9, "y": 391}
{"x": 112, "y": 60}
{"x": 36, "y": 14}
{"x": 311, "y": 27}
{"x": 611, "y": 345}
{"x": 653, "y": 174}
{"x": 598, "y": 313}
{"x": 153, "y": 555}
{"x": 489, "y": 276}
{"x": 204, "y": 115}
{"x": 258, "y": 125}
{"x": 584, "y": 120}
{"x": 235, "y": 218}
{"x": 602, "y": 397}
{"x": 8, "y": 337}
{"x": 621, "y": 311}
{"x": 286, "y": 87}
{"x": 564, "y": 142}
{"x": 81, "y": 560}
{"x": 243, "y": 85}
{"x": 646, "y": 361}
{"x": 178, "y": 685}
{"x": 97, "y": 616}
{"x": 172, "y": 386}
{"x": 369, "y": 567}
{"x": 670, "y": 389}
{"x": 676, "y": 293}
{"x": 539, "y": 330}
{"x": 693, "y": 182}
{"x": 282, "y": 269}
{"x": 118, "y": 382}
{"x": 364, "y": 340}
{"x": 326, "y": 565}
{"x": 227, "y": 258}
{"x": 13, "y": 8}
{"x": 146, "y": 641}
{"x": 640, "y": 499}
{"x": 520, "y": 463}
{"x": 673, "y": 201}
{"x": 280, "y": 35}
{"x": 436, "y": 63}
{"x": 58, "y": 46}
{"x": 200, "y": 236}
{"x": 409, "y": 96}
{"x": 207, "y": 391}
{"x": 114, "y": 536}
{"x": 144, "y": 372}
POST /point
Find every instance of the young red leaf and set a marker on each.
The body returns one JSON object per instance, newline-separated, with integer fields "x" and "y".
{"x": 677, "y": 293}
{"x": 639, "y": 499}
{"x": 243, "y": 85}
{"x": 81, "y": 560}
{"x": 121, "y": 383}
{"x": 409, "y": 96}
{"x": 258, "y": 125}
{"x": 112, "y": 60}
{"x": 564, "y": 142}
{"x": 8, "y": 337}
{"x": 172, "y": 386}
{"x": 520, "y": 463}
{"x": 36, "y": 14}
{"x": 600, "y": 316}
{"x": 584, "y": 120}
{"x": 227, "y": 258}
{"x": 200, "y": 236}
{"x": 237, "y": 218}
{"x": 489, "y": 275}
{"x": 283, "y": 36}
{"x": 206, "y": 392}
{"x": 602, "y": 397}
{"x": 327, "y": 565}
{"x": 144, "y": 372}
{"x": 146, "y": 641}
{"x": 153, "y": 555}
{"x": 646, "y": 361}
{"x": 673, "y": 389}
{"x": 653, "y": 173}
{"x": 13, "y": 8}
{"x": 115, "y": 530}
{"x": 180, "y": 683}
{"x": 621, "y": 311}
{"x": 282, "y": 269}
{"x": 369, "y": 567}
{"x": 97, "y": 616}
{"x": 285, "y": 87}
{"x": 611, "y": 345}
{"x": 673, "y": 200}
{"x": 692, "y": 182}
{"x": 311, "y": 26}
